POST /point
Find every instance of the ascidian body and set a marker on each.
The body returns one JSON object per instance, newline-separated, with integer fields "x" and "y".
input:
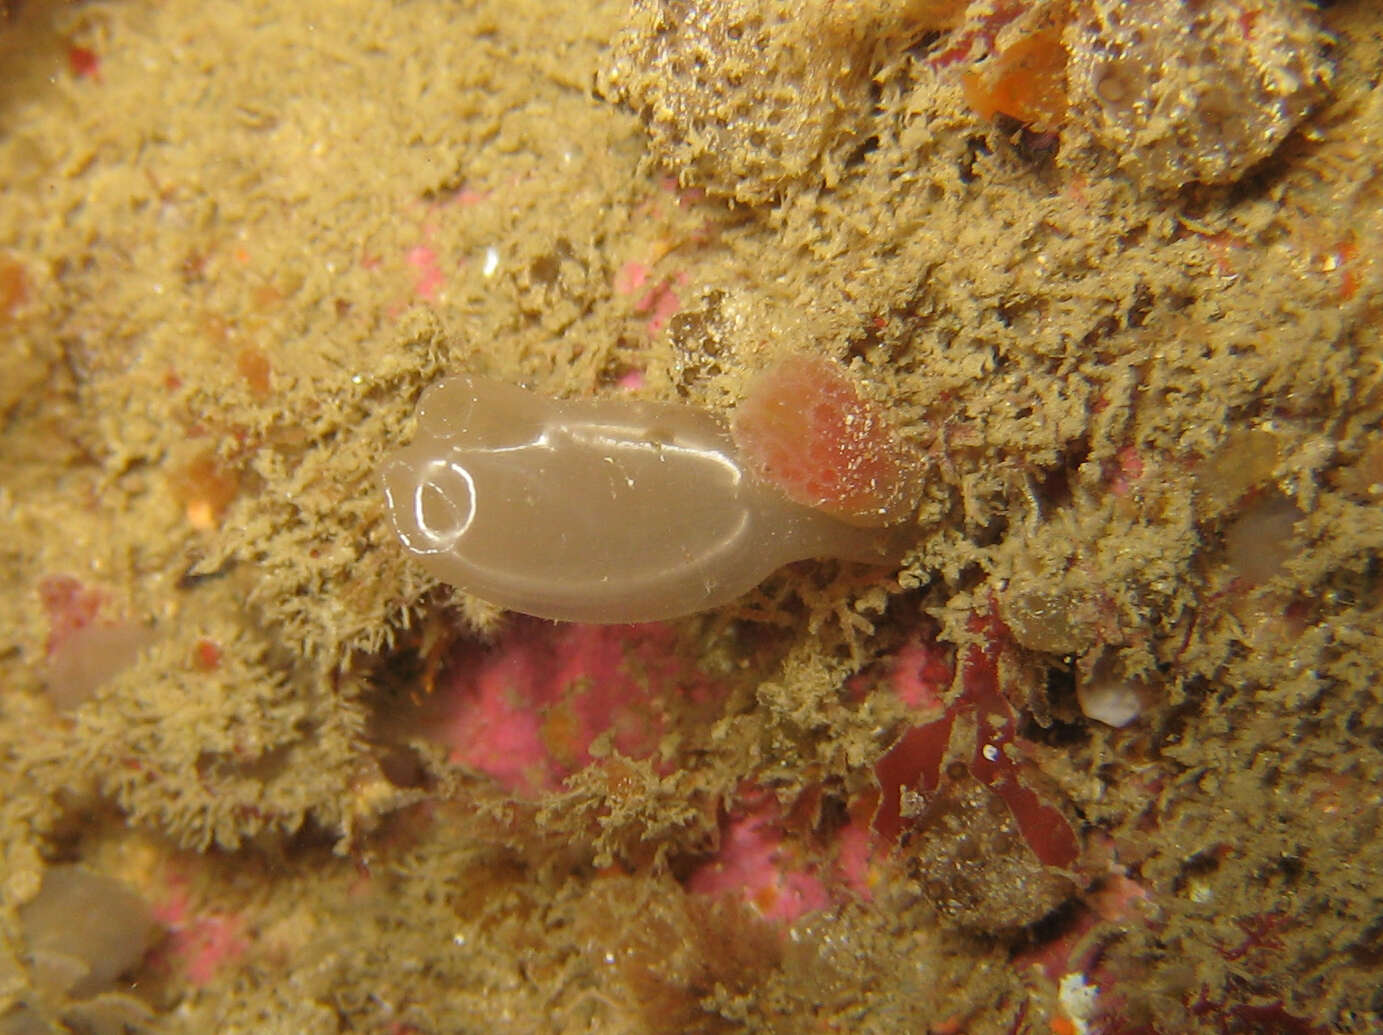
{"x": 596, "y": 510}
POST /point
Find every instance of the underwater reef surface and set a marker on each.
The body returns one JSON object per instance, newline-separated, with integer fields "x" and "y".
{"x": 1099, "y": 751}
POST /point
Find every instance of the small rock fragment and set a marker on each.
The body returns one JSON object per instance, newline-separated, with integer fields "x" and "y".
{"x": 969, "y": 860}
{"x": 1186, "y": 91}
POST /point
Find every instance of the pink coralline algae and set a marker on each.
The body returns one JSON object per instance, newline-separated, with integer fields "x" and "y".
{"x": 70, "y": 607}
{"x": 199, "y": 945}
{"x": 757, "y": 863}
{"x": 526, "y": 710}
{"x": 430, "y": 279}
{"x": 918, "y": 672}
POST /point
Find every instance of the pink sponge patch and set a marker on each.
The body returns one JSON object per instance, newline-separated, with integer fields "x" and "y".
{"x": 805, "y": 428}
{"x": 526, "y": 709}
{"x": 200, "y": 945}
{"x": 920, "y": 673}
{"x": 757, "y": 864}
{"x": 70, "y": 606}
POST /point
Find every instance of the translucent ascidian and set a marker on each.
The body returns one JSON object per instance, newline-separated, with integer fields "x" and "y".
{"x": 595, "y": 510}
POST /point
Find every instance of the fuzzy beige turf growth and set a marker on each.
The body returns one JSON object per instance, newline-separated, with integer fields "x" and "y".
{"x": 750, "y": 97}
{"x": 317, "y": 517}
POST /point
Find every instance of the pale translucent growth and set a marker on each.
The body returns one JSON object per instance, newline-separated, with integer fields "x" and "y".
{"x": 1186, "y": 92}
{"x": 1078, "y": 999}
{"x": 1261, "y": 540}
{"x": 90, "y": 656}
{"x": 1114, "y": 702}
{"x": 1109, "y": 697}
{"x": 596, "y": 511}
{"x": 84, "y": 929}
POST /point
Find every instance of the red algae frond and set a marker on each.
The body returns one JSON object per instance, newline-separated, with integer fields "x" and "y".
{"x": 805, "y": 428}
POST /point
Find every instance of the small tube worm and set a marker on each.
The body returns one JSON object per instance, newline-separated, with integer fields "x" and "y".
{"x": 609, "y": 510}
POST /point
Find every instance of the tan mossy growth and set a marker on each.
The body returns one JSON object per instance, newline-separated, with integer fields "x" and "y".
{"x": 1090, "y": 575}
{"x": 1281, "y": 725}
{"x": 209, "y": 751}
{"x": 449, "y": 924}
{"x": 1019, "y": 355}
{"x": 1025, "y": 354}
{"x": 831, "y": 610}
{"x": 240, "y": 348}
{"x": 1182, "y": 93}
{"x": 807, "y": 730}
{"x": 209, "y": 734}
{"x": 751, "y": 97}
{"x": 1279, "y": 909}
{"x": 120, "y": 541}
{"x": 311, "y": 543}
{"x": 631, "y": 815}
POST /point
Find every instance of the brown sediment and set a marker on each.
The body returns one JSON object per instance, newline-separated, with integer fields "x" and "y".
{"x": 239, "y": 240}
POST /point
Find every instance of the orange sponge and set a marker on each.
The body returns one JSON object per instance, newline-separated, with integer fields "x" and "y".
{"x": 805, "y": 428}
